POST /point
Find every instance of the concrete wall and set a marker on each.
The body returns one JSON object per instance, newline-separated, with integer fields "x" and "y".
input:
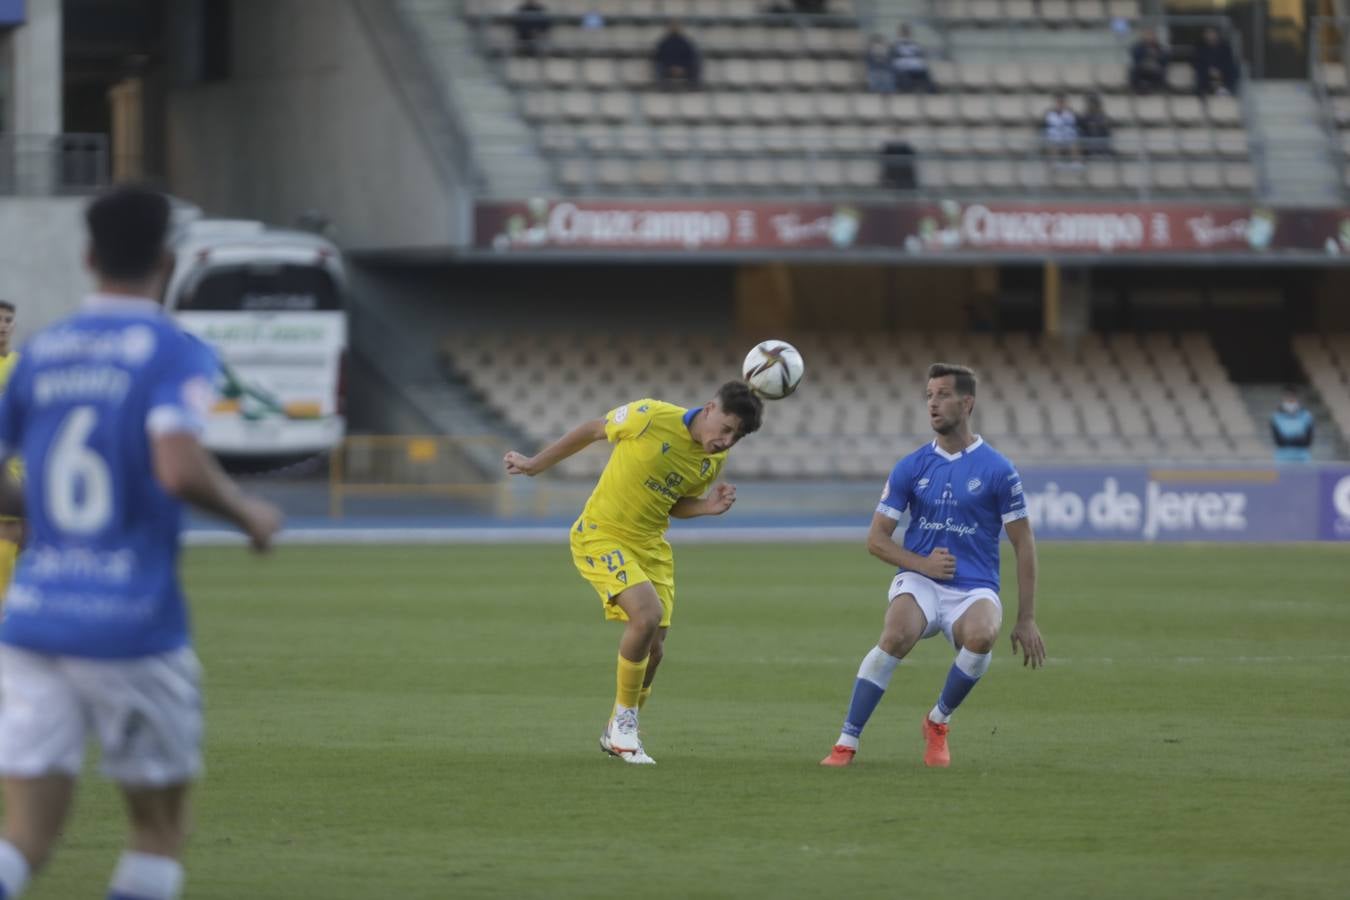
{"x": 309, "y": 119}
{"x": 41, "y": 258}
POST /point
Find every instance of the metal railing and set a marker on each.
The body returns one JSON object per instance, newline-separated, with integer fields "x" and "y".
{"x": 1320, "y": 29}
{"x": 44, "y": 165}
{"x": 1100, "y": 170}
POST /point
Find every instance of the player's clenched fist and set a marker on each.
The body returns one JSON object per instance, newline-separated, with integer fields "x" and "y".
{"x": 518, "y": 463}
{"x": 262, "y": 520}
{"x": 941, "y": 565}
{"x": 721, "y": 498}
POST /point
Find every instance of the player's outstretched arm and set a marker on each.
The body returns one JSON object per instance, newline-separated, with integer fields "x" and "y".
{"x": 716, "y": 503}
{"x": 577, "y": 439}
{"x": 940, "y": 565}
{"x": 1025, "y": 633}
{"x": 186, "y": 470}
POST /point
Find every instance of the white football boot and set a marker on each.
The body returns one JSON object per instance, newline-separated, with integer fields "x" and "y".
{"x": 620, "y": 738}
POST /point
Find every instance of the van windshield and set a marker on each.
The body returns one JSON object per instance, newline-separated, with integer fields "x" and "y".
{"x": 262, "y": 288}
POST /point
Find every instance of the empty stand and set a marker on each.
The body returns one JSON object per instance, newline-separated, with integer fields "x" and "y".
{"x": 1152, "y": 397}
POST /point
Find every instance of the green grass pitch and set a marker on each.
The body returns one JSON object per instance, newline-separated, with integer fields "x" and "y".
{"x": 422, "y": 723}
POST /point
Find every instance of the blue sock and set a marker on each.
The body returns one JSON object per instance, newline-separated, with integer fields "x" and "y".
{"x": 962, "y": 676}
{"x": 874, "y": 676}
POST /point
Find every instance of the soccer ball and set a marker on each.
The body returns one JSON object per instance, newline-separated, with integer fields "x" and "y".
{"x": 773, "y": 369}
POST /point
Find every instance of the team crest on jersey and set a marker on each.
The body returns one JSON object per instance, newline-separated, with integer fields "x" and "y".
{"x": 704, "y": 467}
{"x": 622, "y": 576}
{"x": 974, "y": 485}
{"x": 665, "y": 446}
{"x": 674, "y": 480}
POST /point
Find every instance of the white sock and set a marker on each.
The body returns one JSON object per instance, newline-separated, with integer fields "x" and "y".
{"x": 13, "y": 870}
{"x": 973, "y": 664}
{"x": 878, "y": 666}
{"x": 143, "y": 875}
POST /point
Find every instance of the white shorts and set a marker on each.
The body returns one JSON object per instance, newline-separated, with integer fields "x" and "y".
{"x": 941, "y": 605}
{"x": 146, "y": 712}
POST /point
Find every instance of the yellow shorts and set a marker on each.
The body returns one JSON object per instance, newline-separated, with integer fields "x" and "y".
{"x": 613, "y": 565}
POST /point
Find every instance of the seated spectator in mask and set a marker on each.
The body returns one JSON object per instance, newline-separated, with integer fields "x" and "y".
{"x": 880, "y": 75}
{"x": 1216, "y": 71}
{"x": 1094, "y": 128}
{"x": 1148, "y": 64}
{"x": 532, "y": 25}
{"x": 910, "y": 64}
{"x": 678, "y": 63}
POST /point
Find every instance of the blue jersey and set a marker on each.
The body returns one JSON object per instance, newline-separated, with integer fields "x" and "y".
{"x": 99, "y": 575}
{"x": 959, "y": 501}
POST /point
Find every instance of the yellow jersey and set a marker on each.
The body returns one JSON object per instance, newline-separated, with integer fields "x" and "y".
{"x": 655, "y": 462}
{"x": 7, "y": 363}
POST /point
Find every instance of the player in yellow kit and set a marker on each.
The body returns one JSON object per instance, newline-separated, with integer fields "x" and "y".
{"x": 665, "y": 458}
{"x": 11, "y": 529}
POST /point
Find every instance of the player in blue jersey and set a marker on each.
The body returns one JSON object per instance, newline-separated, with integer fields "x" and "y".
{"x": 960, "y": 493}
{"x": 105, "y": 408}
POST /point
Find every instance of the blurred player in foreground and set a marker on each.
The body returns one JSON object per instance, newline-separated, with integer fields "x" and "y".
{"x": 11, "y": 528}
{"x": 960, "y": 493}
{"x": 664, "y": 459}
{"x": 105, "y": 406}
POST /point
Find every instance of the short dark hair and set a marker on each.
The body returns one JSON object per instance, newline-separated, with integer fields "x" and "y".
{"x": 5, "y": 304}
{"x": 737, "y": 398}
{"x": 964, "y": 375}
{"x": 128, "y": 226}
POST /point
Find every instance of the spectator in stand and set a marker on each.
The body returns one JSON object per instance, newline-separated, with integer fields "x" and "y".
{"x": 532, "y": 23}
{"x": 1216, "y": 70}
{"x": 1094, "y": 128}
{"x": 678, "y": 63}
{"x": 809, "y": 7}
{"x": 880, "y": 75}
{"x": 1060, "y": 132}
{"x": 1148, "y": 64}
{"x": 1291, "y": 427}
{"x": 910, "y": 64}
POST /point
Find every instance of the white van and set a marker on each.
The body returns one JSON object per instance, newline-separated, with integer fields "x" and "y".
{"x": 272, "y": 303}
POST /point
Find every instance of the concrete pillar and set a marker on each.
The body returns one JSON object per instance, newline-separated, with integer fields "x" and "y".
{"x": 35, "y": 70}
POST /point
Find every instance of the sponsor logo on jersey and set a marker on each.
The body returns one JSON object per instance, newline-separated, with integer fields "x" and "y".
{"x": 652, "y": 484}
{"x": 665, "y": 446}
{"x": 674, "y": 480}
{"x": 620, "y": 415}
{"x": 704, "y": 467}
{"x": 960, "y": 529}
{"x": 644, "y": 407}
{"x": 922, "y": 483}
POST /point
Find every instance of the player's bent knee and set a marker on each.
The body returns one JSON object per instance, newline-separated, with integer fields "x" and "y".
{"x": 980, "y": 641}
